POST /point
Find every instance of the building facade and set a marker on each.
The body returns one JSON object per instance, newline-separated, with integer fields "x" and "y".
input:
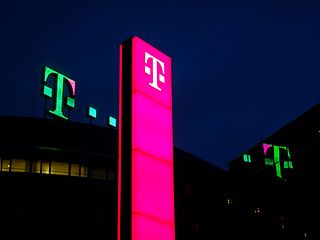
{"x": 59, "y": 180}
{"x": 279, "y": 174}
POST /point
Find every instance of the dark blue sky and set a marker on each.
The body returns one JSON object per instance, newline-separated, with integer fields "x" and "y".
{"x": 241, "y": 70}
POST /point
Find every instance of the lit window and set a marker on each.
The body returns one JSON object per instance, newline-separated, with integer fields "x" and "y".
{"x": 268, "y": 161}
{"x": 229, "y": 201}
{"x": 83, "y": 171}
{"x": 45, "y": 167}
{"x": 257, "y": 210}
{"x": 59, "y": 168}
{"x": 247, "y": 158}
{"x": 36, "y": 166}
{"x": 287, "y": 164}
{"x": 75, "y": 170}
{"x": 5, "y": 165}
{"x": 19, "y": 165}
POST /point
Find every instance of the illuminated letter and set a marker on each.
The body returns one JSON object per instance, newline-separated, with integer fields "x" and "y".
{"x": 145, "y": 183}
{"x": 147, "y": 70}
{"x": 59, "y": 87}
{"x": 276, "y": 157}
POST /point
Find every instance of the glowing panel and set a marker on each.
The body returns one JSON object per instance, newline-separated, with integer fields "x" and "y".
{"x": 149, "y": 111}
{"x": 146, "y": 198}
{"x": 247, "y": 158}
{"x": 119, "y": 212}
{"x": 91, "y": 112}
{"x": 112, "y": 122}
{"x": 149, "y": 227}
{"x": 277, "y": 160}
{"x": 152, "y": 144}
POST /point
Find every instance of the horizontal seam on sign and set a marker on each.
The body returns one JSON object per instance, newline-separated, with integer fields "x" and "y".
{"x": 154, "y": 218}
{"x": 153, "y": 99}
{"x": 166, "y": 161}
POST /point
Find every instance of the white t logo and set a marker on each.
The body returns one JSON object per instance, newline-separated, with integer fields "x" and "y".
{"x": 147, "y": 70}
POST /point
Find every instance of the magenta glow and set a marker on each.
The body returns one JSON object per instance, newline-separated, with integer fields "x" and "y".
{"x": 152, "y": 144}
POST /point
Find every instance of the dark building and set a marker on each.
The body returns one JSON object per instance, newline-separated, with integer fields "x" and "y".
{"x": 59, "y": 180}
{"x": 279, "y": 175}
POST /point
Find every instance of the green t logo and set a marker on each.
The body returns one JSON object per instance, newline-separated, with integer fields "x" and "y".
{"x": 60, "y": 100}
{"x": 277, "y": 161}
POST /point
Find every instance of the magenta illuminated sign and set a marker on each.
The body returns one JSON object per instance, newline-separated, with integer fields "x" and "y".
{"x": 146, "y": 188}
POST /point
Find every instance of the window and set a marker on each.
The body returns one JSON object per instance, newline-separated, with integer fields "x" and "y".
{"x": 59, "y": 168}
{"x": 36, "y": 166}
{"x": 45, "y": 167}
{"x": 83, "y": 171}
{"x": 55, "y": 168}
{"x": 268, "y": 162}
{"x": 75, "y": 170}
{"x": 19, "y": 165}
{"x": 290, "y": 164}
{"x": 247, "y": 158}
{"x": 287, "y": 164}
{"x": 5, "y": 165}
{"x": 99, "y": 173}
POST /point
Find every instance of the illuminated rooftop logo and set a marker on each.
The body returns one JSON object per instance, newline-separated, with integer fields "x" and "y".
{"x": 276, "y": 160}
{"x": 62, "y": 91}
{"x": 59, "y": 100}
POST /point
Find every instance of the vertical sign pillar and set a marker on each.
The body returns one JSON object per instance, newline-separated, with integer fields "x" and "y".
{"x": 145, "y": 174}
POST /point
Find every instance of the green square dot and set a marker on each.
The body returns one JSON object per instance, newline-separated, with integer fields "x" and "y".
{"x": 70, "y": 102}
{"x": 92, "y": 112}
{"x": 112, "y": 121}
{"x": 47, "y": 91}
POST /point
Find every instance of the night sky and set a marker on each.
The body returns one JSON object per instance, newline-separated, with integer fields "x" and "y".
{"x": 241, "y": 70}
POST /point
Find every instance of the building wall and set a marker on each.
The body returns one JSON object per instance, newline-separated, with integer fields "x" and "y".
{"x": 58, "y": 180}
